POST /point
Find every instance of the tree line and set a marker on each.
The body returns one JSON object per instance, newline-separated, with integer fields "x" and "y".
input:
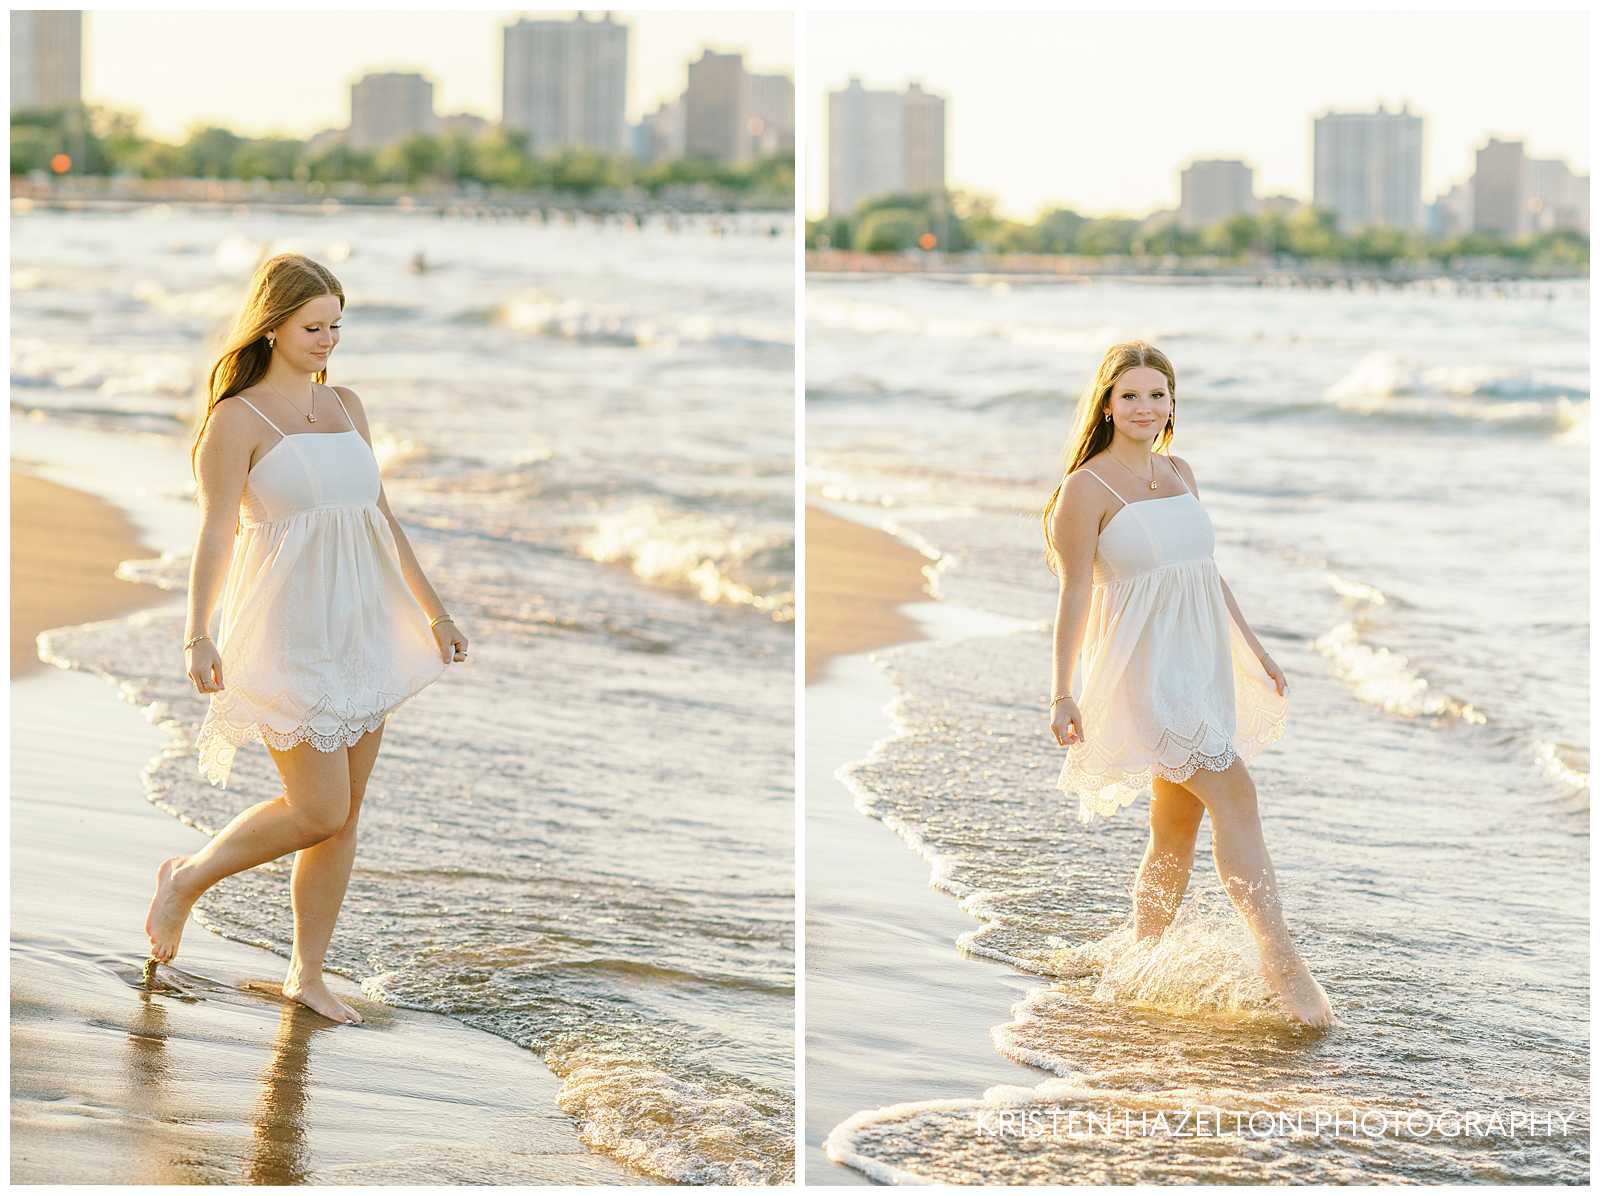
{"x": 94, "y": 140}
{"x": 962, "y": 222}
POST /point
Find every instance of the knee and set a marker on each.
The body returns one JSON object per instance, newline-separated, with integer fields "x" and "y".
{"x": 324, "y": 819}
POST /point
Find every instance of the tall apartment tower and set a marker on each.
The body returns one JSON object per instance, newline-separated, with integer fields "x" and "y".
{"x": 772, "y": 114}
{"x": 390, "y": 106}
{"x": 1499, "y": 189}
{"x": 46, "y": 59}
{"x": 716, "y": 108}
{"x": 883, "y": 142}
{"x": 564, "y": 84}
{"x": 1367, "y": 168}
{"x": 1212, "y": 190}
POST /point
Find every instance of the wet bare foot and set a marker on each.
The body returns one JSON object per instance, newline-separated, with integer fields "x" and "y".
{"x": 169, "y": 910}
{"x": 1303, "y": 998}
{"x": 315, "y": 994}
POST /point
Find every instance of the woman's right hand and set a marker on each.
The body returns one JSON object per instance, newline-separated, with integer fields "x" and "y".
{"x": 1066, "y": 723}
{"x": 205, "y": 667}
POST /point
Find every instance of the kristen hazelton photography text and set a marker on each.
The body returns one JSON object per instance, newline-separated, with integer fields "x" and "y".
{"x": 404, "y": 484}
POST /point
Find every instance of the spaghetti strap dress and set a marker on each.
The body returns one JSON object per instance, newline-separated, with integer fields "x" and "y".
{"x": 319, "y": 635}
{"x": 1166, "y": 683}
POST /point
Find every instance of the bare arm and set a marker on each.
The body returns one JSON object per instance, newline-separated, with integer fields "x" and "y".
{"x": 221, "y": 466}
{"x": 416, "y": 579}
{"x": 1075, "y": 529}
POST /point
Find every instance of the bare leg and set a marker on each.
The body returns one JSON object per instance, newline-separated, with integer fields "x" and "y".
{"x": 1240, "y": 852}
{"x": 1158, "y": 890}
{"x": 314, "y": 804}
{"x": 317, "y": 888}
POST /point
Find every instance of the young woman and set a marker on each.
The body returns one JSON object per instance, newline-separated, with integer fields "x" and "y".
{"x": 327, "y": 622}
{"x": 1176, "y": 689}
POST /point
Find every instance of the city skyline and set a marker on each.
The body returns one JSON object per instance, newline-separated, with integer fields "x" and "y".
{"x": 1004, "y": 89}
{"x": 460, "y": 53}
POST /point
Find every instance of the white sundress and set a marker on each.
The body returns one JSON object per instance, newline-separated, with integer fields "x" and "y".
{"x": 319, "y": 635}
{"x": 1168, "y": 682}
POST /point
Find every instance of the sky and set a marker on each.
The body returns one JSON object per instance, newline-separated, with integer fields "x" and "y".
{"x": 1099, "y": 112}
{"x": 289, "y": 71}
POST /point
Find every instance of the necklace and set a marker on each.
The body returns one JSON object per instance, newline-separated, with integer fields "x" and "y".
{"x": 311, "y": 416}
{"x": 1152, "y": 472}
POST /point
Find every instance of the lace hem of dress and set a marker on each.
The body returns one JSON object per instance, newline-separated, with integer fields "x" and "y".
{"x": 1103, "y": 789}
{"x": 220, "y": 739}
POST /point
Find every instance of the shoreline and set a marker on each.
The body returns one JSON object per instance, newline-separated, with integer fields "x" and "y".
{"x": 208, "y": 1075}
{"x": 66, "y": 545}
{"x": 891, "y": 1015}
{"x": 858, "y": 582}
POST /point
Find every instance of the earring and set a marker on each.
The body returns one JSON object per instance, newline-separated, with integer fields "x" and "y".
{"x": 1108, "y": 417}
{"x": 270, "y": 342}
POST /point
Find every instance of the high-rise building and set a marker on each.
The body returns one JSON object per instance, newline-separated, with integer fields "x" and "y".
{"x": 390, "y": 106}
{"x": 1212, "y": 190}
{"x": 564, "y": 84}
{"x": 1556, "y": 198}
{"x": 46, "y": 59}
{"x": 662, "y": 133}
{"x": 716, "y": 108}
{"x": 1450, "y": 215}
{"x": 771, "y": 115}
{"x": 1499, "y": 189}
{"x": 1367, "y": 168}
{"x": 883, "y": 142}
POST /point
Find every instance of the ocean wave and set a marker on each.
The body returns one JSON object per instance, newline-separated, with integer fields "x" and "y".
{"x": 707, "y": 555}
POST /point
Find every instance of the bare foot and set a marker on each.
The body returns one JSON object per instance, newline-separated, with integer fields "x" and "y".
{"x": 315, "y": 994}
{"x": 169, "y": 910}
{"x": 1303, "y": 998}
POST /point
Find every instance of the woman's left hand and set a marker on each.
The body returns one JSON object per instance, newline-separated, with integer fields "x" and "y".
{"x": 1276, "y": 674}
{"x": 452, "y": 643}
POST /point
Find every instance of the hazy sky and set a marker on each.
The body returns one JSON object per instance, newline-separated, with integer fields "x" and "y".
{"x": 290, "y": 71}
{"x": 1099, "y": 112}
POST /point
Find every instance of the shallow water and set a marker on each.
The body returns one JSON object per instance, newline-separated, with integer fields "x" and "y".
{"x": 582, "y": 839}
{"x": 1398, "y": 479}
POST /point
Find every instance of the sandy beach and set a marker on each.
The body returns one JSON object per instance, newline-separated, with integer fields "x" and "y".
{"x": 857, "y": 581}
{"x": 65, "y": 547}
{"x": 207, "y": 1075}
{"x": 893, "y": 1011}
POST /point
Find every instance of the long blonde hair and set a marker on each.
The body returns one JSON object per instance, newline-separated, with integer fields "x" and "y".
{"x": 279, "y": 287}
{"x": 1092, "y": 432}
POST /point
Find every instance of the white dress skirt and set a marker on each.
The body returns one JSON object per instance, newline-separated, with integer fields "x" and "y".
{"x": 319, "y": 635}
{"x": 1167, "y": 682}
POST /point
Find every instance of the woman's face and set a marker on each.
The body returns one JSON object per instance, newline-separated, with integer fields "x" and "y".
{"x": 307, "y": 338}
{"x": 1141, "y": 402}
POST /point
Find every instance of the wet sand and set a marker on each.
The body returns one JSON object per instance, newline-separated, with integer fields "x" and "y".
{"x": 857, "y": 580}
{"x": 65, "y": 548}
{"x": 893, "y": 1011}
{"x": 208, "y": 1075}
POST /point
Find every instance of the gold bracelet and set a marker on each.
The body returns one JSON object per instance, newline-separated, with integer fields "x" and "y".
{"x": 1062, "y": 698}
{"x": 195, "y": 640}
{"x": 441, "y": 619}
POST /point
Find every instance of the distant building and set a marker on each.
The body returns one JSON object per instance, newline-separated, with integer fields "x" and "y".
{"x": 389, "y": 107}
{"x": 883, "y": 142}
{"x": 1499, "y": 189}
{"x": 46, "y": 59}
{"x": 564, "y": 84}
{"x": 716, "y": 108}
{"x": 1278, "y": 205}
{"x": 661, "y": 133}
{"x": 1367, "y": 168}
{"x": 321, "y": 142}
{"x": 1450, "y": 215}
{"x": 462, "y": 124}
{"x": 1212, "y": 190}
{"x": 771, "y": 121}
{"x": 1555, "y": 197}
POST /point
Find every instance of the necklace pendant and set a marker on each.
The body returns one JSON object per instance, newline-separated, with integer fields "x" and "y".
{"x": 1152, "y": 485}
{"x": 311, "y": 419}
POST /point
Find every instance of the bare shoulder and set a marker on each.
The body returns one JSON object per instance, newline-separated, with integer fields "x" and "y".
{"x": 357, "y": 410}
{"x": 233, "y": 418}
{"x": 1186, "y": 471}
